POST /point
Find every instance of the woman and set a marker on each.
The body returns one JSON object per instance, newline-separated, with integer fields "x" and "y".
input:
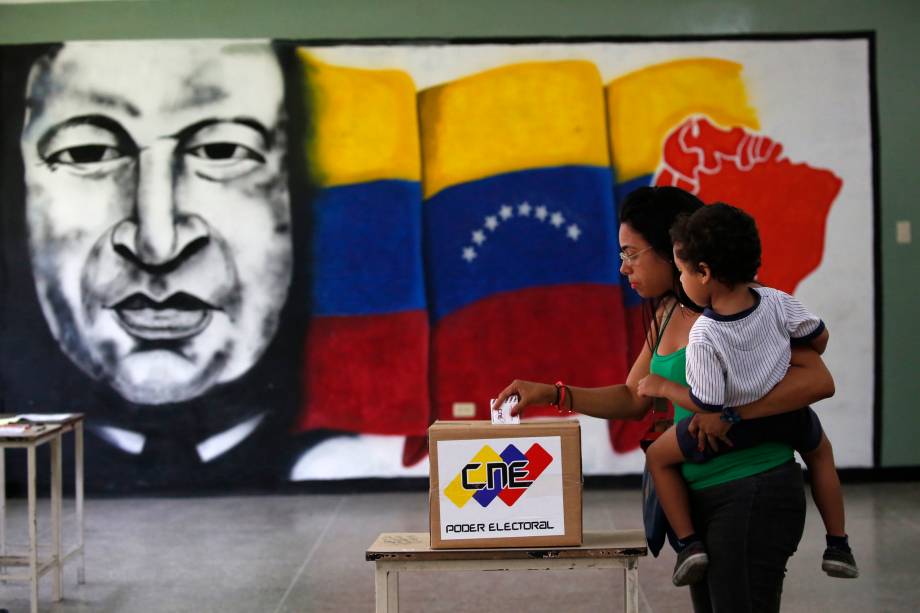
{"x": 749, "y": 505}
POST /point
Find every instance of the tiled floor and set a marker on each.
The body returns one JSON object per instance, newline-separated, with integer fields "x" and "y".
{"x": 306, "y": 553}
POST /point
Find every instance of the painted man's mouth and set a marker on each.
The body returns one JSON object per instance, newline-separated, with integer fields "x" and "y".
{"x": 178, "y": 317}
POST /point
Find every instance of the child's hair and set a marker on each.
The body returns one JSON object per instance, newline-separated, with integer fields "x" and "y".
{"x": 722, "y": 236}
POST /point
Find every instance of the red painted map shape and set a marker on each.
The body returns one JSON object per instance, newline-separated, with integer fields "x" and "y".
{"x": 789, "y": 201}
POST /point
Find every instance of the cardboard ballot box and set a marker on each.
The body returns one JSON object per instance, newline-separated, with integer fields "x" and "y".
{"x": 505, "y": 485}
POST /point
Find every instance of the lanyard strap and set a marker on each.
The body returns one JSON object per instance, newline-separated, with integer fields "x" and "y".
{"x": 664, "y": 325}
{"x": 660, "y": 405}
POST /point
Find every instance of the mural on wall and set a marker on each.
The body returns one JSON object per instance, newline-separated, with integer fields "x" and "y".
{"x": 252, "y": 262}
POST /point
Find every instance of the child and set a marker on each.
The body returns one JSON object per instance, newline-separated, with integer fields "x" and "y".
{"x": 738, "y": 350}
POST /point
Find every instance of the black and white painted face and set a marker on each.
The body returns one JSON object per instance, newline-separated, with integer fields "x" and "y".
{"x": 158, "y": 210}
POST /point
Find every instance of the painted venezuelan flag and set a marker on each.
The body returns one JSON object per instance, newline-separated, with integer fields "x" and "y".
{"x": 520, "y": 233}
{"x": 366, "y": 366}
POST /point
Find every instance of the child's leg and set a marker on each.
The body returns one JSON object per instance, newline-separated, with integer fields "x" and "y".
{"x": 825, "y": 486}
{"x": 838, "y": 560}
{"x": 664, "y": 459}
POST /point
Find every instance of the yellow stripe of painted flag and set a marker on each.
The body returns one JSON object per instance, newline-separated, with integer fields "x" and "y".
{"x": 521, "y": 116}
{"x": 455, "y": 492}
{"x": 645, "y": 105}
{"x": 364, "y": 124}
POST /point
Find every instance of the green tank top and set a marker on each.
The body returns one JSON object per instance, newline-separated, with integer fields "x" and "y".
{"x": 723, "y": 468}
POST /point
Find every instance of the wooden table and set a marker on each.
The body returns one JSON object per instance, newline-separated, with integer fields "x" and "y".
{"x": 394, "y": 552}
{"x": 31, "y": 440}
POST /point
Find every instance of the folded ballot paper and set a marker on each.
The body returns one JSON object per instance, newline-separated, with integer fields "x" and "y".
{"x": 502, "y": 414}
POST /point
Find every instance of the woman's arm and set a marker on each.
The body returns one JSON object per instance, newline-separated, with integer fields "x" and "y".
{"x": 611, "y": 402}
{"x": 807, "y": 381}
{"x": 616, "y": 401}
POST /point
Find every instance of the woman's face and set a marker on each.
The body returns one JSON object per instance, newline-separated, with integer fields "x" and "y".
{"x": 650, "y": 275}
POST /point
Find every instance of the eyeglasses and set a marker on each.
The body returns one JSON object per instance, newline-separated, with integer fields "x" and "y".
{"x": 631, "y": 257}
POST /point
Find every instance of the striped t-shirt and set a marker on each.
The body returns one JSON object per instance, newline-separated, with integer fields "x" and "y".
{"x": 736, "y": 359}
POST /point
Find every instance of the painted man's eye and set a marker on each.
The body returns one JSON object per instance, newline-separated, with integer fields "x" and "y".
{"x": 85, "y": 154}
{"x": 225, "y": 152}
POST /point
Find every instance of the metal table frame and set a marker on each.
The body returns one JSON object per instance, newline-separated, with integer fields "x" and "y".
{"x": 393, "y": 553}
{"x": 51, "y": 433}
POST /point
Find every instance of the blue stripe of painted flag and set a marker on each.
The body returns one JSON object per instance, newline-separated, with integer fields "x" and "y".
{"x": 367, "y": 249}
{"x": 521, "y": 251}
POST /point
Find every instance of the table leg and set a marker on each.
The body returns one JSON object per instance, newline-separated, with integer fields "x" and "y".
{"x": 386, "y": 588}
{"x": 58, "y": 569}
{"x": 78, "y": 499}
{"x": 33, "y": 531}
{"x": 631, "y": 586}
{"x": 393, "y": 591}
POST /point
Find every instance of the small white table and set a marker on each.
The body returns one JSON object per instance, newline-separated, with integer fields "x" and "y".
{"x": 31, "y": 440}
{"x": 394, "y": 552}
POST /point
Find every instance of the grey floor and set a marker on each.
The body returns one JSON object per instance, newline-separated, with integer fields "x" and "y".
{"x": 306, "y": 553}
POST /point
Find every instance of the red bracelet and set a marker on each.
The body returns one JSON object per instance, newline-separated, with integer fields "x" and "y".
{"x": 560, "y": 399}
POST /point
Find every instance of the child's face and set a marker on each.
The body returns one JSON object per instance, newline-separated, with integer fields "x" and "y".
{"x": 692, "y": 280}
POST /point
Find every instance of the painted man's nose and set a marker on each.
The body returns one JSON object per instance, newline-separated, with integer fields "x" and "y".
{"x": 159, "y": 233}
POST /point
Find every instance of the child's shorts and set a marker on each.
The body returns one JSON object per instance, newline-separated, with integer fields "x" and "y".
{"x": 800, "y": 429}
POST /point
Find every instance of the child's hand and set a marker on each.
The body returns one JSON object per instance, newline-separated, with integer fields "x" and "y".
{"x": 652, "y": 386}
{"x": 708, "y": 428}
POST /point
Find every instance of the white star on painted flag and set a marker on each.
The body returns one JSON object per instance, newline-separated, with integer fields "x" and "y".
{"x": 506, "y": 216}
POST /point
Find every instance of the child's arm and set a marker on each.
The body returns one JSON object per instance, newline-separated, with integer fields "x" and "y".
{"x": 819, "y": 343}
{"x": 655, "y": 386}
{"x": 799, "y": 319}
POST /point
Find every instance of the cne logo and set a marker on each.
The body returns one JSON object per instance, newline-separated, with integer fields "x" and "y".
{"x": 490, "y": 475}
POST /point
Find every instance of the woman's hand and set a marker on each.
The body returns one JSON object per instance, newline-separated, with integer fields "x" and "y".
{"x": 652, "y": 386}
{"x": 708, "y": 428}
{"x": 528, "y": 393}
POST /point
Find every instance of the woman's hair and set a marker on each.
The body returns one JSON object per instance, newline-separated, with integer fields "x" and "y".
{"x": 651, "y": 211}
{"x": 722, "y": 236}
